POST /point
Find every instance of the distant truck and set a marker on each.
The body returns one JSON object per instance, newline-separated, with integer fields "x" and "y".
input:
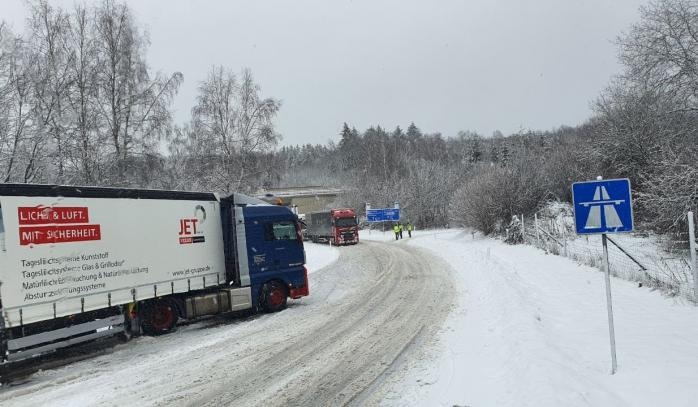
{"x": 336, "y": 226}
{"x": 77, "y": 264}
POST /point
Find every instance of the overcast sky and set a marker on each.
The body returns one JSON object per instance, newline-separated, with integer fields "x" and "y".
{"x": 446, "y": 65}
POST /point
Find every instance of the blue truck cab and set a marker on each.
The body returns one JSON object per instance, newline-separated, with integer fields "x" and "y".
{"x": 270, "y": 254}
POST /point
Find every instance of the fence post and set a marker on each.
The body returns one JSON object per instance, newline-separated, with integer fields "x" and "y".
{"x": 523, "y": 230}
{"x": 692, "y": 247}
{"x": 535, "y": 223}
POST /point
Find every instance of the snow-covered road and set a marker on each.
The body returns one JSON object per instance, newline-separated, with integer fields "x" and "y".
{"x": 331, "y": 348}
{"x": 444, "y": 318}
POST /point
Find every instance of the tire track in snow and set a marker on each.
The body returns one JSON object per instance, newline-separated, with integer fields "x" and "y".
{"x": 403, "y": 291}
{"x": 328, "y": 349}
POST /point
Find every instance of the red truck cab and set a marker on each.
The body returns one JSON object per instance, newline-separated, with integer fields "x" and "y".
{"x": 335, "y": 226}
{"x": 345, "y": 227}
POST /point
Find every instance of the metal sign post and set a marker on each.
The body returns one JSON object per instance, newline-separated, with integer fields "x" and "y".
{"x": 609, "y": 305}
{"x": 601, "y": 207}
{"x": 692, "y": 247}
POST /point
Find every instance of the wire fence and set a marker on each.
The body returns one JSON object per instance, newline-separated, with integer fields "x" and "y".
{"x": 651, "y": 260}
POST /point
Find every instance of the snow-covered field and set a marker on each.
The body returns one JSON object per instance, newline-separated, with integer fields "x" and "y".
{"x": 530, "y": 329}
{"x": 656, "y": 260}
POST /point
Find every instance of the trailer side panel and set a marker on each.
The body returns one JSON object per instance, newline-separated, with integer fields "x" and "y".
{"x": 66, "y": 255}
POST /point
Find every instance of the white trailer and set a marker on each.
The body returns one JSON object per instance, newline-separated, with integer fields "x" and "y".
{"x": 77, "y": 263}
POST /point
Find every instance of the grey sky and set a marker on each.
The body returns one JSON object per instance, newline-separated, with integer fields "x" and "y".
{"x": 446, "y": 65}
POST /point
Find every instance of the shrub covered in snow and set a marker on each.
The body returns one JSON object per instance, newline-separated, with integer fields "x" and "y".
{"x": 493, "y": 194}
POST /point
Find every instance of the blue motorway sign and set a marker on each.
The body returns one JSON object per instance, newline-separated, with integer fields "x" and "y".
{"x": 603, "y": 206}
{"x": 382, "y": 215}
{"x": 374, "y": 215}
{"x": 391, "y": 214}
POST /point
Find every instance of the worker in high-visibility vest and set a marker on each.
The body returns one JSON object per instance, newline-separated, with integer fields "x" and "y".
{"x": 409, "y": 229}
{"x": 399, "y": 225}
{"x": 396, "y": 229}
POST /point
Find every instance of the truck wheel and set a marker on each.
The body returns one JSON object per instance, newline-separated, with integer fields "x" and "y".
{"x": 159, "y": 317}
{"x": 274, "y": 296}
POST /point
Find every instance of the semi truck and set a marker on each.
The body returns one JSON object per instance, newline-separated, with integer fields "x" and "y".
{"x": 336, "y": 226}
{"x": 81, "y": 263}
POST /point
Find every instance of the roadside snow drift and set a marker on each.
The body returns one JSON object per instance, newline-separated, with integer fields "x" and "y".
{"x": 531, "y": 329}
{"x": 319, "y": 256}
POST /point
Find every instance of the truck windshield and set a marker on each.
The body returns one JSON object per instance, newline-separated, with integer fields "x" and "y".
{"x": 345, "y": 222}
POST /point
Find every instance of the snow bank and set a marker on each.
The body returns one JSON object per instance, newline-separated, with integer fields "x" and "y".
{"x": 660, "y": 265}
{"x": 318, "y": 256}
{"x": 530, "y": 329}
{"x": 389, "y": 236}
{"x": 377, "y": 235}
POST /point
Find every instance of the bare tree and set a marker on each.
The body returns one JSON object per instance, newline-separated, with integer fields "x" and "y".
{"x": 661, "y": 50}
{"x": 86, "y": 148}
{"x": 77, "y": 101}
{"x": 16, "y": 109}
{"x": 646, "y": 124}
{"x": 6, "y": 56}
{"x": 427, "y": 192}
{"x": 47, "y": 43}
{"x": 492, "y": 194}
{"x": 184, "y": 171}
{"x": 667, "y": 196}
{"x": 232, "y": 122}
{"x": 133, "y": 107}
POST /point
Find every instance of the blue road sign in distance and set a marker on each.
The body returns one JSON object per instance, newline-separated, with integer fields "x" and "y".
{"x": 374, "y": 215}
{"x": 382, "y": 215}
{"x": 603, "y": 206}
{"x": 392, "y": 214}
